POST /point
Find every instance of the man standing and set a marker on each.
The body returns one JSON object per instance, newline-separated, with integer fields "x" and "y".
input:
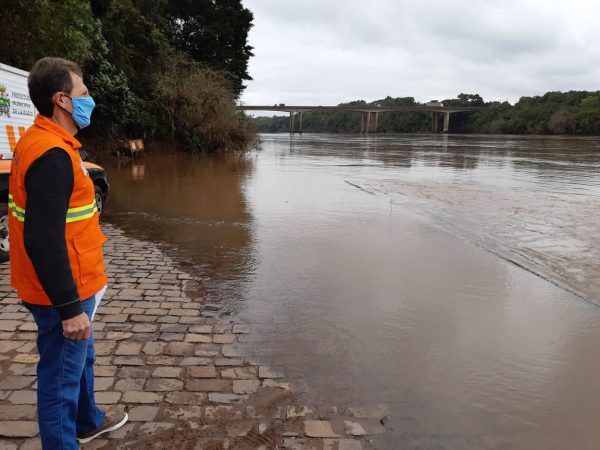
{"x": 56, "y": 255}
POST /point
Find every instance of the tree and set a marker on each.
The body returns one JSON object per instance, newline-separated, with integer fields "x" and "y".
{"x": 199, "y": 107}
{"x": 213, "y": 33}
{"x": 32, "y": 29}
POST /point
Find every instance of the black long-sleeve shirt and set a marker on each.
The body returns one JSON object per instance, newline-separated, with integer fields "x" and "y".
{"x": 49, "y": 185}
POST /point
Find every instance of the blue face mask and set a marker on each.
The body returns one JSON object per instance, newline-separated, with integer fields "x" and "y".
{"x": 82, "y": 110}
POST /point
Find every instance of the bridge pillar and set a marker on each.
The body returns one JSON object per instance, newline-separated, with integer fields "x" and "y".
{"x": 362, "y": 122}
{"x": 368, "y": 129}
{"x": 300, "y": 124}
{"x": 376, "y": 121}
{"x": 434, "y": 121}
{"x": 446, "y": 121}
{"x": 291, "y": 122}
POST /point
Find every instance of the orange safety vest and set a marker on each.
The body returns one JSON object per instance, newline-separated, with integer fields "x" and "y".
{"x": 83, "y": 235}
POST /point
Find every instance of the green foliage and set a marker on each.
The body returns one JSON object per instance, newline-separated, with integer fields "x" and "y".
{"x": 198, "y": 105}
{"x": 127, "y": 49}
{"x": 214, "y": 33}
{"x": 574, "y": 112}
{"x": 32, "y": 29}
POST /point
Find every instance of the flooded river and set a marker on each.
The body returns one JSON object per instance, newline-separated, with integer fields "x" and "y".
{"x": 454, "y": 278}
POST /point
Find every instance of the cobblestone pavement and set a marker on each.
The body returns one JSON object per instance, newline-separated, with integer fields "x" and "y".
{"x": 172, "y": 362}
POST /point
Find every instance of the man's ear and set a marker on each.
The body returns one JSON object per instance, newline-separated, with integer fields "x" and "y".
{"x": 59, "y": 99}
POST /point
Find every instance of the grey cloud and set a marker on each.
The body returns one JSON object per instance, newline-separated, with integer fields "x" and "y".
{"x": 333, "y": 51}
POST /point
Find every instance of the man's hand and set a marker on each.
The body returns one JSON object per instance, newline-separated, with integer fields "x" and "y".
{"x": 77, "y": 328}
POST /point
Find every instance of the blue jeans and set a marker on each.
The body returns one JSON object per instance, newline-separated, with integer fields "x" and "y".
{"x": 65, "y": 393}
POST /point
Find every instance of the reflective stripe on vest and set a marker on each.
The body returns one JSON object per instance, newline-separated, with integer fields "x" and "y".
{"x": 73, "y": 214}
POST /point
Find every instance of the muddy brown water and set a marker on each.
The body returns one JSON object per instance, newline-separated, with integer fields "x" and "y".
{"x": 455, "y": 279}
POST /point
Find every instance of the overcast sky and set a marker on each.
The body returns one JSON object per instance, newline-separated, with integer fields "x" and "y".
{"x": 320, "y": 52}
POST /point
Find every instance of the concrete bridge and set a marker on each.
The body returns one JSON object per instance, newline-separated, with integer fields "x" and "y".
{"x": 369, "y": 114}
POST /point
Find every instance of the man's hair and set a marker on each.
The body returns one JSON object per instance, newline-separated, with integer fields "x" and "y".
{"x": 48, "y": 76}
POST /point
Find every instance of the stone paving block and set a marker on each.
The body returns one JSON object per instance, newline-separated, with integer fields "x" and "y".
{"x": 127, "y": 384}
{"x": 185, "y": 398}
{"x": 23, "y": 397}
{"x": 354, "y": 428}
{"x": 230, "y": 352}
{"x": 18, "y": 428}
{"x": 173, "y": 328}
{"x": 162, "y": 360}
{"x": 28, "y": 347}
{"x": 26, "y": 358}
{"x": 242, "y": 373}
{"x": 103, "y": 383}
{"x": 202, "y": 372}
{"x": 24, "y": 336}
{"x": 167, "y": 372}
{"x": 118, "y": 335}
{"x": 156, "y": 312}
{"x": 319, "y": 429}
{"x": 18, "y": 412}
{"x": 191, "y": 320}
{"x": 128, "y": 361}
{"x": 105, "y": 371}
{"x": 223, "y": 338}
{"x": 28, "y": 326}
{"x": 154, "y": 348}
{"x": 180, "y": 349}
{"x": 172, "y": 337}
{"x": 202, "y": 338}
{"x": 202, "y": 329}
{"x": 16, "y": 382}
{"x": 221, "y": 328}
{"x": 118, "y": 318}
{"x": 7, "y": 445}
{"x": 143, "y": 413}
{"x": 164, "y": 385}
{"x": 141, "y": 397}
{"x": 22, "y": 369}
{"x": 9, "y": 325}
{"x": 209, "y": 385}
{"x": 205, "y": 352}
{"x": 168, "y": 319}
{"x": 134, "y": 372}
{"x": 182, "y": 412}
{"x": 107, "y": 397}
{"x": 31, "y": 444}
{"x": 228, "y": 362}
{"x": 144, "y": 328}
{"x": 195, "y": 361}
{"x": 103, "y": 347}
{"x": 129, "y": 348}
{"x": 7, "y": 346}
{"x": 217, "y": 397}
{"x": 245, "y": 386}
{"x": 142, "y": 318}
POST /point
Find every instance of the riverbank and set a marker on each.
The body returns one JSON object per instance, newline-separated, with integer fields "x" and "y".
{"x": 166, "y": 354}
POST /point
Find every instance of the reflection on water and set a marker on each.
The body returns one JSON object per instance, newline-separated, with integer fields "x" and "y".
{"x": 355, "y": 257}
{"x": 196, "y": 205}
